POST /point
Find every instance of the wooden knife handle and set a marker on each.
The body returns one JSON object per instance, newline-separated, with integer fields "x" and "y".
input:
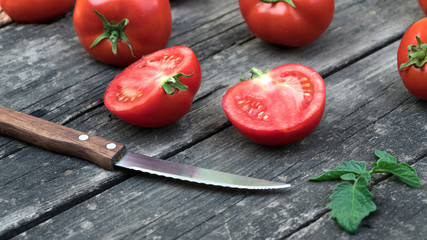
{"x": 60, "y": 139}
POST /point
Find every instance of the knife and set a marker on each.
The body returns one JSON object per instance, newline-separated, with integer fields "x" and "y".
{"x": 108, "y": 154}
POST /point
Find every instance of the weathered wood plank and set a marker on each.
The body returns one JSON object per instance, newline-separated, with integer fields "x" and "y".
{"x": 160, "y": 208}
{"x": 39, "y": 75}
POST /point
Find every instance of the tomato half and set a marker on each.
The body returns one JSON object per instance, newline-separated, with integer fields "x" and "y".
{"x": 423, "y": 5}
{"x": 412, "y": 63}
{"x": 34, "y": 11}
{"x": 287, "y": 22}
{"x": 120, "y": 32}
{"x": 277, "y": 107}
{"x": 157, "y": 90}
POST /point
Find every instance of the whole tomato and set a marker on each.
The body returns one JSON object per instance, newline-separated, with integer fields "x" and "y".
{"x": 35, "y": 11}
{"x": 287, "y": 22}
{"x": 423, "y": 5}
{"x": 277, "y": 107}
{"x": 118, "y": 32}
{"x": 412, "y": 59}
{"x": 157, "y": 90}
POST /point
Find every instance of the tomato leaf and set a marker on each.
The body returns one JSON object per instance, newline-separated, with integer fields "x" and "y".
{"x": 385, "y": 156}
{"x": 348, "y": 177}
{"x": 352, "y": 166}
{"x": 351, "y": 203}
{"x": 403, "y": 171}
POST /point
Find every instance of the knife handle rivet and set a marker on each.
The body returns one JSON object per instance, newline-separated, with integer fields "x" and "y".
{"x": 111, "y": 146}
{"x": 83, "y": 137}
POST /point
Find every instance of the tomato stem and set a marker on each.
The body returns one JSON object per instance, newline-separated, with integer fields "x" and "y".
{"x": 256, "y": 73}
{"x": 418, "y": 57}
{"x": 274, "y": 1}
{"x": 113, "y": 32}
{"x": 172, "y": 84}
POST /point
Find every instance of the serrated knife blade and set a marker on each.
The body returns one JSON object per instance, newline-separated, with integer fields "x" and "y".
{"x": 108, "y": 154}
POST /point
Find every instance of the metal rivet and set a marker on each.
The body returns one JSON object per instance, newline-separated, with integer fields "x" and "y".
{"x": 83, "y": 137}
{"x": 111, "y": 146}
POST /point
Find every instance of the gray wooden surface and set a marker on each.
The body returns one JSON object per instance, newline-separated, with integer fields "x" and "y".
{"x": 45, "y": 72}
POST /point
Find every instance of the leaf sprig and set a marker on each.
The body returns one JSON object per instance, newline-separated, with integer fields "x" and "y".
{"x": 350, "y": 203}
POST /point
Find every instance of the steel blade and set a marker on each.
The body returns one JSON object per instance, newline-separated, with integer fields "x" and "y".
{"x": 180, "y": 171}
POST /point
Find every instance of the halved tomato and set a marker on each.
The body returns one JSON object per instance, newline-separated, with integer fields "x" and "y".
{"x": 157, "y": 90}
{"x": 277, "y": 107}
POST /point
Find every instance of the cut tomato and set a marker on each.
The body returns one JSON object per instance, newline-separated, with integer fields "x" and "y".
{"x": 277, "y": 107}
{"x": 157, "y": 90}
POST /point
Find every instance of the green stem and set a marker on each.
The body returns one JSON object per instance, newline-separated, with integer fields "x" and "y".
{"x": 418, "y": 57}
{"x": 255, "y": 72}
{"x": 172, "y": 84}
{"x": 113, "y": 32}
{"x": 274, "y": 1}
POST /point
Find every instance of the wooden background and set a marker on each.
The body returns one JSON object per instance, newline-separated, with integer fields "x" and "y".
{"x": 46, "y": 73}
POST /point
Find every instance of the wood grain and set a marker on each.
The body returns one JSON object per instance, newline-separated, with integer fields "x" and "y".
{"x": 46, "y": 73}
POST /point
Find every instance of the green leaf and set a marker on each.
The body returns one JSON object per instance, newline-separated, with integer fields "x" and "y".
{"x": 351, "y": 203}
{"x": 351, "y": 166}
{"x": 403, "y": 171}
{"x": 385, "y": 156}
{"x": 348, "y": 177}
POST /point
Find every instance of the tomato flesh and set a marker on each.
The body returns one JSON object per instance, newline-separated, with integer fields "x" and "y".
{"x": 279, "y": 107}
{"x": 136, "y": 94}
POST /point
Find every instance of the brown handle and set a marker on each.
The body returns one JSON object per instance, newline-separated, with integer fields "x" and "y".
{"x": 60, "y": 139}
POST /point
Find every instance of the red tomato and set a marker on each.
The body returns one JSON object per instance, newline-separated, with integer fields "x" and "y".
{"x": 278, "y": 22}
{"x": 157, "y": 90}
{"x": 34, "y": 11}
{"x": 120, "y": 32}
{"x": 414, "y": 72}
{"x": 277, "y": 107}
{"x": 423, "y": 5}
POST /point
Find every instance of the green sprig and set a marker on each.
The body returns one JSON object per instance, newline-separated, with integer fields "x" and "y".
{"x": 350, "y": 203}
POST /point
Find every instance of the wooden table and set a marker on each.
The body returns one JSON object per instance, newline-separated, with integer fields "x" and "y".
{"x": 46, "y": 73}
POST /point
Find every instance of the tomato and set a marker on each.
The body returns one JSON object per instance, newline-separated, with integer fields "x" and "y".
{"x": 35, "y": 11}
{"x": 287, "y": 22}
{"x": 423, "y": 5}
{"x": 120, "y": 32}
{"x": 277, "y": 107}
{"x": 157, "y": 90}
{"x": 412, "y": 63}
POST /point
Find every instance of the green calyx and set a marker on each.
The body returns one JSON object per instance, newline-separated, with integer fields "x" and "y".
{"x": 274, "y": 1}
{"x": 418, "y": 57}
{"x": 256, "y": 73}
{"x": 114, "y": 32}
{"x": 172, "y": 84}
